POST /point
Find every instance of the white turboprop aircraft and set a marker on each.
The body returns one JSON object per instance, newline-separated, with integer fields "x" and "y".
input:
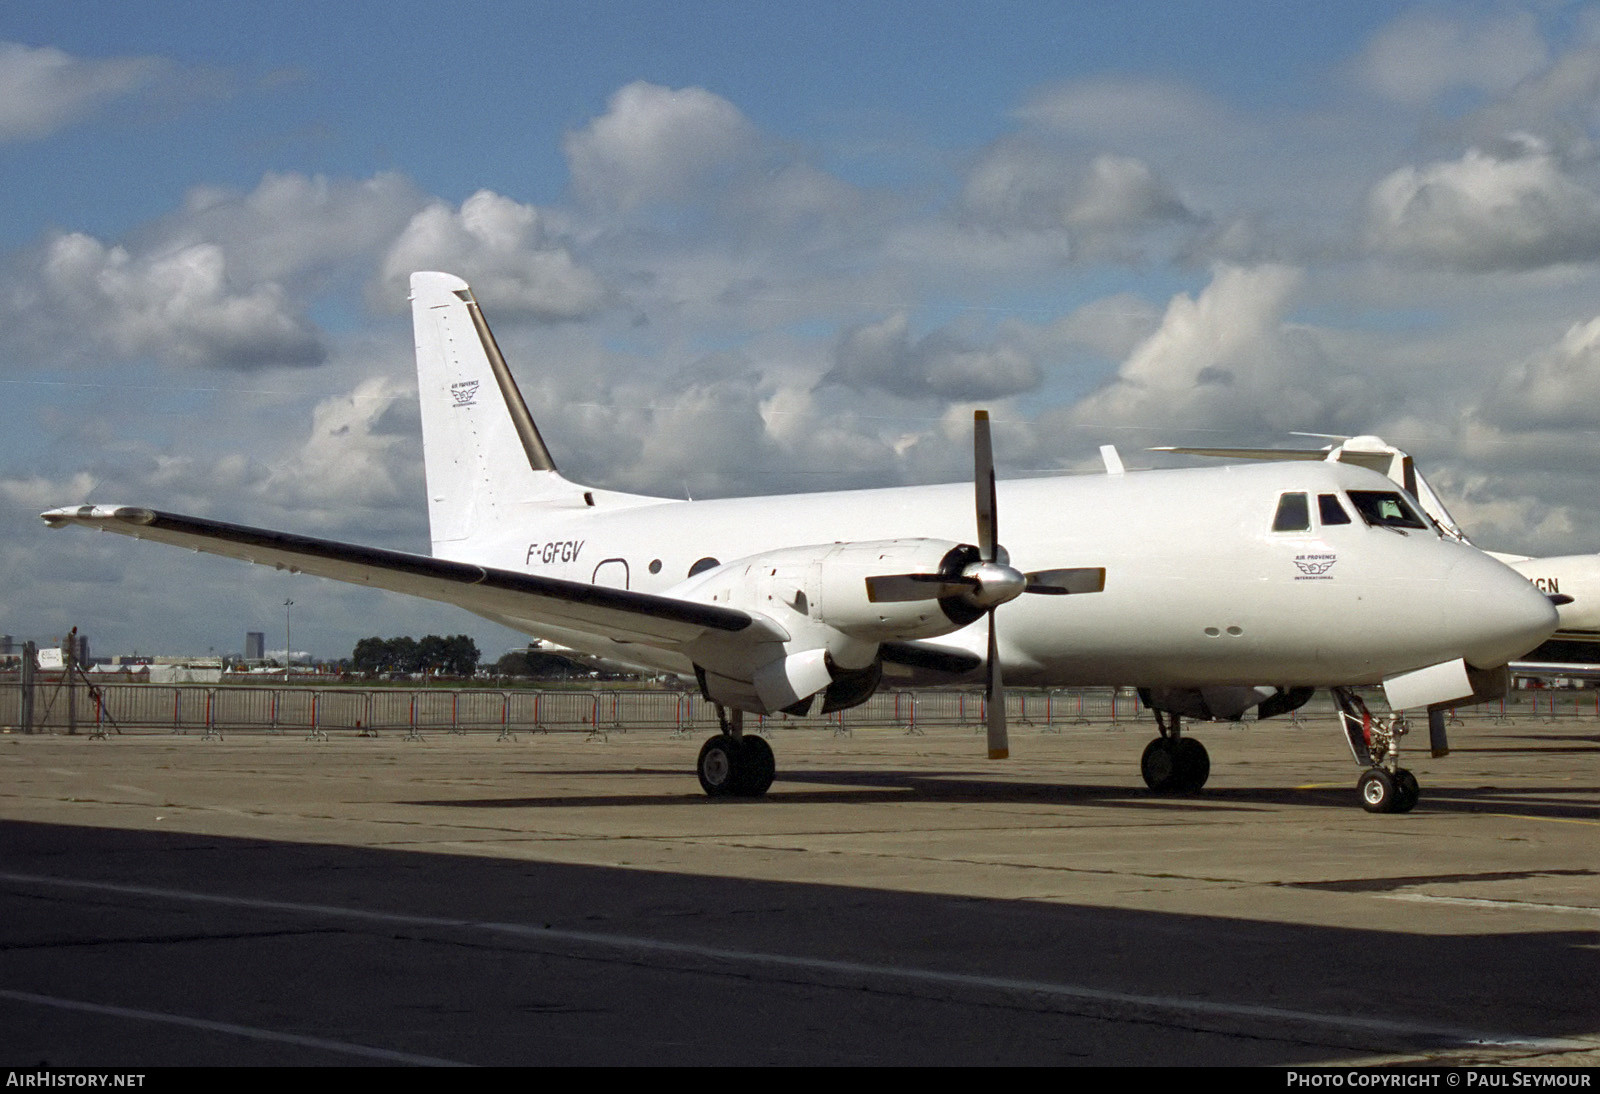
{"x": 1214, "y": 590}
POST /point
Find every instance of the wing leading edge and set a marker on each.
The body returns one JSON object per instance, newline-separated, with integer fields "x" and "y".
{"x": 619, "y": 614}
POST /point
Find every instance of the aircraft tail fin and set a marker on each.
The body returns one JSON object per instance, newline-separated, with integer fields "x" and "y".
{"x": 482, "y": 453}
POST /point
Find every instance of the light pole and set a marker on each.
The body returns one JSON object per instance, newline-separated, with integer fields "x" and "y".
{"x": 288, "y": 644}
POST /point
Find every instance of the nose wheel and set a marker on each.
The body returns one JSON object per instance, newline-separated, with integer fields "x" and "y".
{"x": 1385, "y": 792}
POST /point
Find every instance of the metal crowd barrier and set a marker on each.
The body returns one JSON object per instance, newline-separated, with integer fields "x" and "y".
{"x": 317, "y": 710}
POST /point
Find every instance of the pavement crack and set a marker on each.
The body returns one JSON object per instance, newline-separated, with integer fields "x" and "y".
{"x": 163, "y": 939}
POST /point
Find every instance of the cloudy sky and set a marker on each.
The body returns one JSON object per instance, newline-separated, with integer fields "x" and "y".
{"x": 752, "y": 248}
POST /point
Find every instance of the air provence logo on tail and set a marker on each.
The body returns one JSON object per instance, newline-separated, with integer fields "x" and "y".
{"x": 464, "y": 393}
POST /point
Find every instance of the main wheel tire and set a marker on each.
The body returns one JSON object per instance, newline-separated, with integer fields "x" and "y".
{"x": 1407, "y": 792}
{"x": 1193, "y": 762}
{"x": 1377, "y": 790}
{"x": 1159, "y": 766}
{"x": 757, "y": 766}
{"x": 720, "y": 766}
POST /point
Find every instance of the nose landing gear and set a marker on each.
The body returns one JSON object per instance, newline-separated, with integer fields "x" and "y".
{"x": 1385, "y": 787}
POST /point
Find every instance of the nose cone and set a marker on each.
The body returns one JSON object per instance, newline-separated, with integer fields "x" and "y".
{"x": 1502, "y": 616}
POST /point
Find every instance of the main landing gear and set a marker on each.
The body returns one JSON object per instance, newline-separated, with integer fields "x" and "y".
{"x": 1173, "y": 763}
{"x": 1385, "y": 787}
{"x": 734, "y": 765}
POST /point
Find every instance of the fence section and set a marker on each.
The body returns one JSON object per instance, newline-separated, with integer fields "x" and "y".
{"x": 200, "y": 708}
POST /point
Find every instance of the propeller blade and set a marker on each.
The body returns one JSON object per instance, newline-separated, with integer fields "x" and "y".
{"x": 999, "y": 745}
{"x": 983, "y": 487}
{"x": 1083, "y": 579}
{"x": 900, "y": 588}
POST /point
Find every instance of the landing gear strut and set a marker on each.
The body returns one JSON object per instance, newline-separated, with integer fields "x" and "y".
{"x": 732, "y": 764}
{"x": 1173, "y": 763}
{"x": 1385, "y": 787}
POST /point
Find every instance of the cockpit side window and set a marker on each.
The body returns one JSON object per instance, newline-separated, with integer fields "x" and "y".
{"x": 1329, "y": 509}
{"x": 1294, "y": 514}
{"x": 1385, "y": 509}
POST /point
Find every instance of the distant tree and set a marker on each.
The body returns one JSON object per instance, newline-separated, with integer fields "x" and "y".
{"x": 538, "y": 666}
{"x": 461, "y": 655}
{"x": 431, "y": 654}
{"x": 454, "y": 656}
{"x": 370, "y": 656}
{"x": 404, "y": 656}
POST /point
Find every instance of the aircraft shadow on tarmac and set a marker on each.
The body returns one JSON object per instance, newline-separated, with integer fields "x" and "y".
{"x": 879, "y": 785}
{"x": 501, "y": 961}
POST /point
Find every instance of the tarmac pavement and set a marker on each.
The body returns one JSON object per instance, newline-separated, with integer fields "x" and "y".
{"x": 895, "y": 899}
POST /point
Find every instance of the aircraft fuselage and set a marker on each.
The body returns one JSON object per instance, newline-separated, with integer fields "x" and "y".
{"x": 1199, "y": 588}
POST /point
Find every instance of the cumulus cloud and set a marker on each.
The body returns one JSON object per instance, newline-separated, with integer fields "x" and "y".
{"x": 44, "y": 89}
{"x": 504, "y": 248}
{"x": 1517, "y": 210}
{"x": 222, "y": 281}
{"x": 1561, "y": 104}
{"x": 1120, "y": 192}
{"x": 355, "y": 447}
{"x": 292, "y": 225}
{"x": 39, "y": 491}
{"x": 1226, "y": 358}
{"x": 656, "y": 143}
{"x": 181, "y": 304}
{"x": 884, "y": 356}
{"x": 1556, "y": 387}
{"x": 1423, "y": 55}
{"x": 1024, "y": 184}
{"x": 1111, "y": 109}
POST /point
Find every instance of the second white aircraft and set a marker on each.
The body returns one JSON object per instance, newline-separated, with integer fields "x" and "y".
{"x": 1213, "y": 590}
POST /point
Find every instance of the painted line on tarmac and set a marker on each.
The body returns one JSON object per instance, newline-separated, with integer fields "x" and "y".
{"x": 1486, "y": 902}
{"x": 815, "y": 965}
{"x": 252, "y": 1032}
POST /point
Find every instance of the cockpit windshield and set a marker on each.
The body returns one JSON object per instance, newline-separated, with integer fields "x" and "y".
{"x": 1386, "y": 509}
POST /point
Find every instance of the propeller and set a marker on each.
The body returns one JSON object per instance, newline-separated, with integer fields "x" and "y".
{"x": 997, "y": 581}
{"x": 975, "y": 580}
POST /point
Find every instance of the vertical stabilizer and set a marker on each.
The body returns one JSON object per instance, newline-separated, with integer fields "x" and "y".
{"x": 482, "y": 454}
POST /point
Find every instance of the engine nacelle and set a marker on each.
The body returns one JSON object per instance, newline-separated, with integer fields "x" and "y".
{"x": 818, "y": 595}
{"x": 826, "y": 584}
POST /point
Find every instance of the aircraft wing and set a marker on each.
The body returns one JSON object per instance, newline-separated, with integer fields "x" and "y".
{"x": 660, "y": 621}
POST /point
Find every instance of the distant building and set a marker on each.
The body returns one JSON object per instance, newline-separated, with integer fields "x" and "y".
{"x": 255, "y": 645}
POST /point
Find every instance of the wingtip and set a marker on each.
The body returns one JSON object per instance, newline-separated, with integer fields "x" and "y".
{"x": 69, "y": 514}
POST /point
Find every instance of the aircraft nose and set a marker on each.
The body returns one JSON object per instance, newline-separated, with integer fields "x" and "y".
{"x": 1508, "y": 615}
